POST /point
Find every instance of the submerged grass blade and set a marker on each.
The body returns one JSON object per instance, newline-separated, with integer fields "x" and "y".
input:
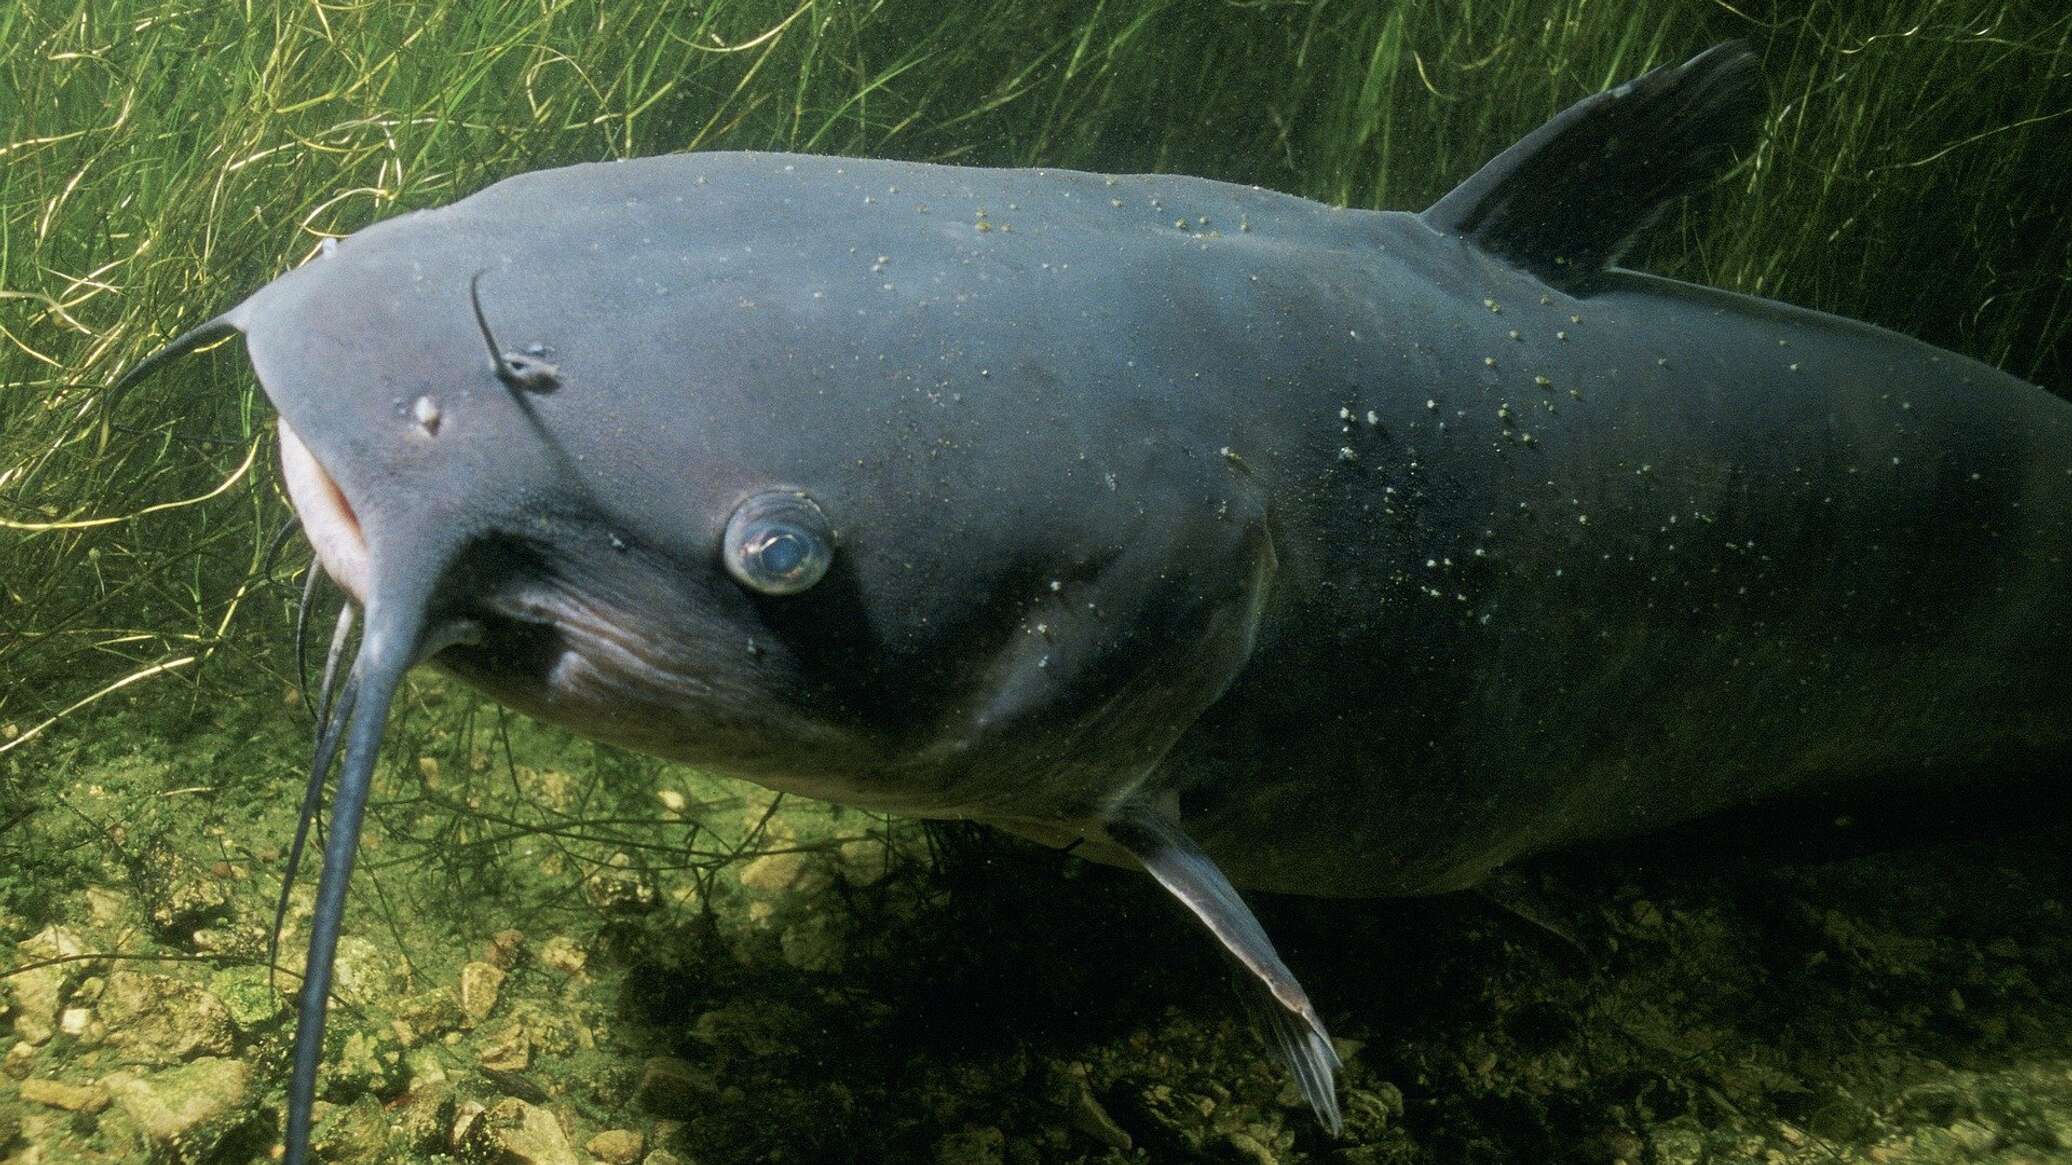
{"x": 159, "y": 162}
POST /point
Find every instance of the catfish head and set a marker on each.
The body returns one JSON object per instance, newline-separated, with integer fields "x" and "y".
{"x": 686, "y": 455}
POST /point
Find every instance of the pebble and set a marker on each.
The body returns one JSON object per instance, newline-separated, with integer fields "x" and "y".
{"x": 429, "y": 1013}
{"x": 508, "y": 1049}
{"x": 619, "y": 888}
{"x": 506, "y": 949}
{"x": 671, "y": 1087}
{"x": 426, "y": 1116}
{"x": 187, "y": 895}
{"x": 866, "y": 861}
{"x": 106, "y": 906}
{"x": 87, "y": 1098}
{"x": 39, "y": 992}
{"x": 772, "y": 875}
{"x": 1249, "y": 1149}
{"x": 157, "y": 1019}
{"x": 19, "y": 1060}
{"x": 183, "y": 1112}
{"x": 1090, "y": 1118}
{"x": 616, "y": 1146}
{"x": 561, "y": 953}
{"x": 518, "y": 1133}
{"x": 480, "y": 985}
{"x": 354, "y": 1134}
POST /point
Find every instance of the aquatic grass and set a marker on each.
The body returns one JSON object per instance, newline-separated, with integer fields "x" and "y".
{"x": 159, "y": 160}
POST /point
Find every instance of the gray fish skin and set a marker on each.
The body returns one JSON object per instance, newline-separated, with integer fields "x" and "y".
{"x": 1729, "y": 549}
{"x": 1203, "y": 528}
{"x": 1750, "y": 550}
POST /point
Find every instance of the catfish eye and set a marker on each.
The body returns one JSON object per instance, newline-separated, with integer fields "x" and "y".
{"x": 778, "y": 542}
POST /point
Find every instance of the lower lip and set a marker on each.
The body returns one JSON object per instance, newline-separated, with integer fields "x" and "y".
{"x": 327, "y": 518}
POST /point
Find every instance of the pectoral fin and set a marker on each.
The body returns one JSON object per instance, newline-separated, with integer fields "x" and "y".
{"x": 1270, "y": 987}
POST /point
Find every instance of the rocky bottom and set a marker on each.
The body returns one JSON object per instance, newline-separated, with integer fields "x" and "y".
{"x": 560, "y": 957}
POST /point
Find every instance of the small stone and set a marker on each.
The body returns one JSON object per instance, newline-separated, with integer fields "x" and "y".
{"x": 429, "y": 1013}
{"x": 1371, "y": 1110}
{"x": 1090, "y": 1118}
{"x": 157, "y": 1019}
{"x": 19, "y": 1060}
{"x": 516, "y": 1133}
{"x": 774, "y": 875}
{"x": 815, "y": 943}
{"x": 87, "y": 1098}
{"x": 106, "y": 906}
{"x": 367, "y": 1059}
{"x": 480, "y": 984}
{"x": 671, "y": 1087}
{"x": 506, "y": 949}
{"x": 1676, "y": 1143}
{"x": 764, "y": 1028}
{"x": 427, "y": 1117}
{"x": 508, "y": 1049}
{"x": 426, "y": 1067}
{"x": 662, "y": 1157}
{"x": 616, "y": 1146}
{"x": 365, "y": 971}
{"x": 1249, "y": 1149}
{"x": 561, "y": 953}
{"x": 183, "y": 894}
{"x": 865, "y": 861}
{"x": 466, "y": 1115}
{"x": 618, "y": 888}
{"x": 352, "y": 1134}
{"x": 1618, "y": 1145}
{"x": 39, "y": 992}
{"x": 184, "y": 1112}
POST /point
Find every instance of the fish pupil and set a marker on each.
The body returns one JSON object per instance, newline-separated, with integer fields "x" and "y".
{"x": 782, "y": 553}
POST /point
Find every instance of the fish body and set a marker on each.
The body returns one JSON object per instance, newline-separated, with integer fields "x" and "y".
{"x": 1206, "y": 529}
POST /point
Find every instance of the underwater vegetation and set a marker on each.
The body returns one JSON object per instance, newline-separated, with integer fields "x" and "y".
{"x": 558, "y": 946}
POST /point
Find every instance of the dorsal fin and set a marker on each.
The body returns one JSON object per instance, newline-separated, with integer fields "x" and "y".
{"x": 1568, "y": 199}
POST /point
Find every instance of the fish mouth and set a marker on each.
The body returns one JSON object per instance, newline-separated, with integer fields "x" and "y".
{"x": 327, "y": 517}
